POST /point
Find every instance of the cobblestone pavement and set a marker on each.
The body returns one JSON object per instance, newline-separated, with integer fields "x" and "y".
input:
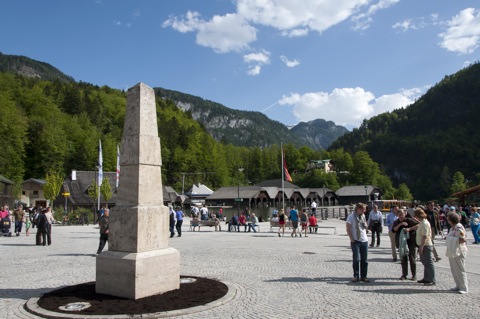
{"x": 276, "y": 277}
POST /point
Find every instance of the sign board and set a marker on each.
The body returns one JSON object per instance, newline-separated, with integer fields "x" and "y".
{"x": 66, "y": 194}
{"x": 239, "y": 199}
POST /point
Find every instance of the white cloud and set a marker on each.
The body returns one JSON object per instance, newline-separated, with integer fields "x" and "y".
{"x": 362, "y": 21}
{"x": 254, "y": 70}
{"x": 289, "y": 63}
{"x": 463, "y": 33}
{"x": 117, "y": 23}
{"x": 256, "y": 60}
{"x": 405, "y": 25}
{"x": 235, "y": 31}
{"x": 346, "y": 106}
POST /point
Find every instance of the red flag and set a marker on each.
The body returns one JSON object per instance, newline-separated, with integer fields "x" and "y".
{"x": 288, "y": 178}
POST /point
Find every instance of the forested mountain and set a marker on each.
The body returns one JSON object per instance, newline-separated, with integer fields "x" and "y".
{"x": 426, "y": 143}
{"x": 318, "y": 132}
{"x": 31, "y": 68}
{"x": 247, "y": 128}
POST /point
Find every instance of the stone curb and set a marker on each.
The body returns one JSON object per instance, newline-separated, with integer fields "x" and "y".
{"x": 234, "y": 292}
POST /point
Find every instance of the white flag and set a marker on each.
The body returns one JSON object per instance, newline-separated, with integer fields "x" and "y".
{"x": 100, "y": 164}
{"x": 118, "y": 167}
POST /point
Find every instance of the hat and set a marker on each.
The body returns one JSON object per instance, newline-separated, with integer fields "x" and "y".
{"x": 452, "y": 208}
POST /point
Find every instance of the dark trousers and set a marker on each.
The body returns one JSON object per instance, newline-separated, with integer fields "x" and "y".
{"x": 360, "y": 263}
{"x": 178, "y": 226}
{"x": 18, "y": 226}
{"x": 103, "y": 241}
{"x": 40, "y": 234}
{"x": 376, "y": 231}
{"x": 172, "y": 228}
{"x": 410, "y": 258}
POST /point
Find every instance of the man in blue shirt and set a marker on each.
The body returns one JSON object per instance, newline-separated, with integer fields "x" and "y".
{"x": 391, "y": 217}
{"x": 178, "y": 226}
{"x": 294, "y": 219}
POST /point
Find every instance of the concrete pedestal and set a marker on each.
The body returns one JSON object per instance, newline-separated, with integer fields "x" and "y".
{"x": 138, "y": 275}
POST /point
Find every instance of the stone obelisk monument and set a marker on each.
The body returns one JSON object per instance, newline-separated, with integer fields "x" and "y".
{"x": 139, "y": 262}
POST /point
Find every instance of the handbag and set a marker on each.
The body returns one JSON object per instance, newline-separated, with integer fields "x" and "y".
{"x": 475, "y": 221}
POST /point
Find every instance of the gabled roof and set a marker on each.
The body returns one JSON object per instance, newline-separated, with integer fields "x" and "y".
{"x": 276, "y": 183}
{"x": 356, "y": 190}
{"x": 231, "y": 192}
{"x": 36, "y": 180}
{"x": 200, "y": 190}
{"x": 271, "y": 191}
{"x": 5, "y": 180}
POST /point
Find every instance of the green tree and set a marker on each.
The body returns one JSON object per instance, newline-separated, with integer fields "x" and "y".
{"x": 54, "y": 182}
{"x": 365, "y": 170}
{"x": 403, "y": 192}
{"x": 106, "y": 190}
{"x": 458, "y": 183}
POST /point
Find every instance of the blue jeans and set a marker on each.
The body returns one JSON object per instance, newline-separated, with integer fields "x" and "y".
{"x": 475, "y": 233}
{"x": 360, "y": 254}
{"x": 427, "y": 261}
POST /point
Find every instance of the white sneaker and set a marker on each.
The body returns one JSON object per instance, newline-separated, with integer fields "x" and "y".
{"x": 462, "y": 292}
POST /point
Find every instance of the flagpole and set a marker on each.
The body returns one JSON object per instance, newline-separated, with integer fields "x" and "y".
{"x": 118, "y": 168}
{"x": 100, "y": 171}
{"x": 283, "y": 178}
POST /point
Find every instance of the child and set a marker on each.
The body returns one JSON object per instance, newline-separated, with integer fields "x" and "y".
{"x": 28, "y": 223}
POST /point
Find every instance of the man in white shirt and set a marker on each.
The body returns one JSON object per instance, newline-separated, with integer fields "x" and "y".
{"x": 204, "y": 213}
{"x": 357, "y": 232}
{"x": 314, "y": 208}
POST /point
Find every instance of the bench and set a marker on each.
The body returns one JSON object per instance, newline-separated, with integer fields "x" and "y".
{"x": 246, "y": 227}
{"x": 289, "y": 225}
{"x": 209, "y": 223}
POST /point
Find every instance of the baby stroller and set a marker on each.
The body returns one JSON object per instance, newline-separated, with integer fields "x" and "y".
{"x": 5, "y": 225}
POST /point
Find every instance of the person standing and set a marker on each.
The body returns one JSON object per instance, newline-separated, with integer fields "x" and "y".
{"x": 456, "y": 253}
{"x": 294, "y": 219}
{"x": 48, "y": 225}
{"x": 204, "y": 213}
{"x": 375, "y": 224}
{"x": 409, "y": 225}
{"x": 357, "y": 232}
{"x": 172, "y": 221}
{"x": 425, "y": 247}
{"x": 434, "y": 221}
{"x": 391, "y": 218}
{"x": 304, "y": 222}
{"x": 475, "y": 224}
{"x": 179, "y": 217}
{"x": 104, "y": 224}
{"x": 313, "y": 207}
{"x": 19, "y": 215}
{"x": 41, "y": 221}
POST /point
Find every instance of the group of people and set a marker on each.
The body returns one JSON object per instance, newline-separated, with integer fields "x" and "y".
{"x": 411, "y": 234}
{"x": 307, "y": 222}
{"x": 249, "y": 221}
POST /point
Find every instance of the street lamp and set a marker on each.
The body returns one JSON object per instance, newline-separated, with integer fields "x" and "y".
{"x": 366, "y": 194}
{"x": 240, "y": 170}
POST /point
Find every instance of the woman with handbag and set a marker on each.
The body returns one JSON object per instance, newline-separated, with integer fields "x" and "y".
{"x": 475, "y": 224}
{"x": 456, "y": 253}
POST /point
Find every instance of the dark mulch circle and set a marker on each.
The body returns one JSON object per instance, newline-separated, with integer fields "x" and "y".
{"x": 198, "y": 293}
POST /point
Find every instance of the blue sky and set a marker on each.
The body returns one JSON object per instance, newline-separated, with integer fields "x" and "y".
{"x": 293, "y": 60}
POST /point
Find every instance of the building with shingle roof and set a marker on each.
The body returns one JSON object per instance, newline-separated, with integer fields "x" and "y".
{"x": 348, "y": 195}
{"x": 6, "y": 191}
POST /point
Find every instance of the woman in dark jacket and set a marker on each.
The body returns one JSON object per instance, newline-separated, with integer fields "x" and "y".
{"x": 406, "y": 223}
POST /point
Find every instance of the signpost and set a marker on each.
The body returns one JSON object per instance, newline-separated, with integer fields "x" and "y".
{"x": 66, "y": 194}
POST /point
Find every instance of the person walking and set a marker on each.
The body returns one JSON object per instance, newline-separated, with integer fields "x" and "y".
{"x": 475, "y": 224}
{"x": 294, "y": 219}
{"x": 253, "y": 223}
{"x": 375, "y": 224}
{"x": 282, "y": 220}
{"x": 304, "y": 222}
{"x": 456, "y": 253}
{"x": 104, "y": 224}
{"x": 179, "y": 217}
{"x": 19, "y": 215}
{"x": 425, "y": 247}
{"x": 391, "y": 218}
{"x": 357, "y": 232}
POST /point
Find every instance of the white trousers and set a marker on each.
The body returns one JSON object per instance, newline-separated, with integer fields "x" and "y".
{"x": 457, "y": 266}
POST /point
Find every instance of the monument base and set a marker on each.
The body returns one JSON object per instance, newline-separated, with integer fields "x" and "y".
{"x": 137, "y": 275}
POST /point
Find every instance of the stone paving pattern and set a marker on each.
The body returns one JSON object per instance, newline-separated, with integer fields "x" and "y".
{"x": 276, "y": 277}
